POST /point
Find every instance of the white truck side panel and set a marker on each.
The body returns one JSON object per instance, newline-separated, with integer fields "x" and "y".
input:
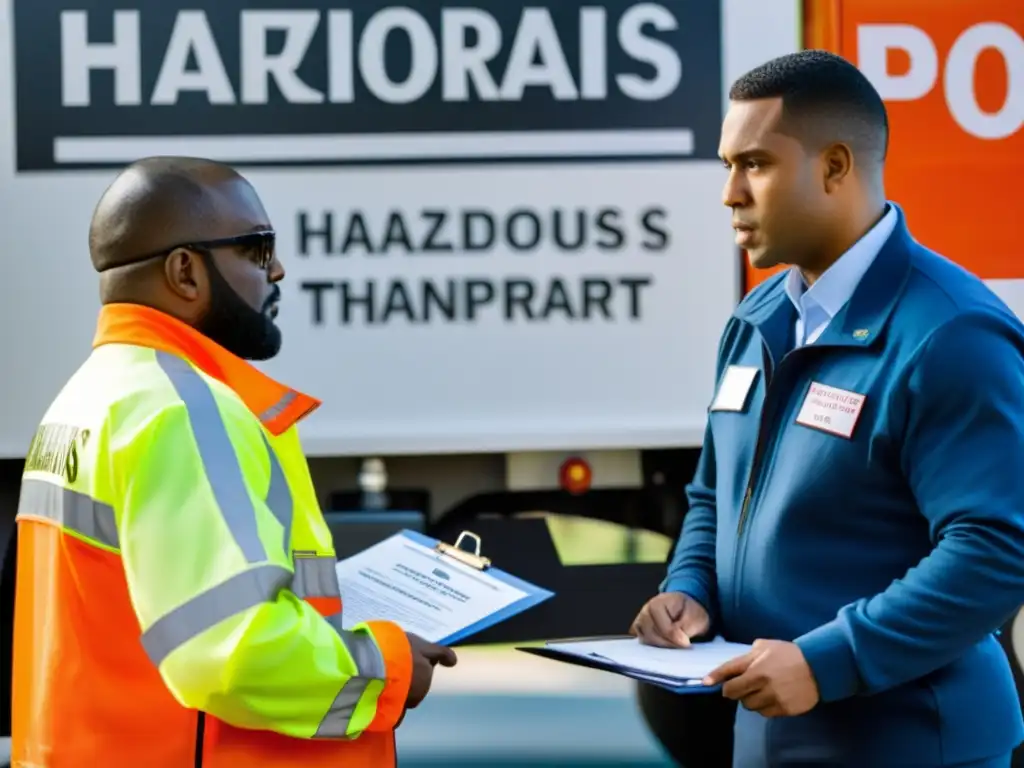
{"x": 620, "y": 349}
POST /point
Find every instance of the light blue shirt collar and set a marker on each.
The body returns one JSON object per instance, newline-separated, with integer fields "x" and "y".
{"x": 817, "y": 305}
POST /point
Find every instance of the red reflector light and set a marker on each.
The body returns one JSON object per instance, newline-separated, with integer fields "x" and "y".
{"x": 575, "y": 475}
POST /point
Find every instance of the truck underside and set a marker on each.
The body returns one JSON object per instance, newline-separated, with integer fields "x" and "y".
{"x": 596, "y": 594}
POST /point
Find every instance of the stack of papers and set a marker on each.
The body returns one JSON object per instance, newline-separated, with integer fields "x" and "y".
{"x": 678, "y": 669}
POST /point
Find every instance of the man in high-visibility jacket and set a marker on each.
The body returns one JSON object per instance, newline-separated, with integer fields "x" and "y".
{"x": 177, "y": 603}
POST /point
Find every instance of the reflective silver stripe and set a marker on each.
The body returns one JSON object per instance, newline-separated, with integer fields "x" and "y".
{"x": 335, "y": 620}
{"x": 218, "y": 455}
{"x": 279, "y": 495}
{"x": 370, "y": 666}
{"x": 72, "y": 510}
{"x": 278, "y": 408}
{"x": 365, "y": 653}
{"x": 316, "y": 577}
{"x": 237, "y": 594}
{"x": 335, "y": 722}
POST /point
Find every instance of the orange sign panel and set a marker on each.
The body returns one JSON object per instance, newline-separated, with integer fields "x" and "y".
{"x": 952, "y": 76}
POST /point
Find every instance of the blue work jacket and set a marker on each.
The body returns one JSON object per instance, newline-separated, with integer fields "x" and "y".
{"x": 864, "y": 497}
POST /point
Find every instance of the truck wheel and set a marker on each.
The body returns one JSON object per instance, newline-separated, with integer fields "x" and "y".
{"x": 1012, "y": 638}
{"x": 696, "y": 731}
{"x": 1015, "y": 648}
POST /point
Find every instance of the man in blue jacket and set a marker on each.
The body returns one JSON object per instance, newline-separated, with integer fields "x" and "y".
{"x": 858, "y": 509}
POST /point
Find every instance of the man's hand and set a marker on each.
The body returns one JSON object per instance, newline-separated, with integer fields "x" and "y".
{"x": 425, "y": 656}
{"x": 772, "y": 679}
{"x": 670, "y": 620}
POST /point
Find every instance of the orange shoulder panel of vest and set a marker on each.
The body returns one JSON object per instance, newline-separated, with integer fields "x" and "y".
{"x": 275, "y": 404}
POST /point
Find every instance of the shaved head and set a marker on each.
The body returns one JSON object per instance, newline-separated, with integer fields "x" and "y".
{"x": 189, "y": 237}
{"x": 154, "y": 204}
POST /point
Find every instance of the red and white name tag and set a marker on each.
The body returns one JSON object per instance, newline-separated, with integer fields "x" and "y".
{"x": 831, "y": 409}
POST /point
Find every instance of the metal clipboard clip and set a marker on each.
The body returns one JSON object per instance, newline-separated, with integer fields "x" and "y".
{"x": 458, "y": 551}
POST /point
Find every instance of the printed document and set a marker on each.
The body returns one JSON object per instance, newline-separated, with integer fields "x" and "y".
{"x": 404, "y": 579}
{"x": 679, "y": 664}
{"x": 681, "y": 670}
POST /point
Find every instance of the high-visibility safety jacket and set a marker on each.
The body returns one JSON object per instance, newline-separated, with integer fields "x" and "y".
{"x": 176, "y": 601}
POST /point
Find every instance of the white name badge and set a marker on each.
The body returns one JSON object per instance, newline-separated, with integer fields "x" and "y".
{"x": 734, "y": 390}
{"x": 831, "y": 409}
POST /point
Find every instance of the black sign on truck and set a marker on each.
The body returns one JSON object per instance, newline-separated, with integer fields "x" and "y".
{"x": 321, "y": 82}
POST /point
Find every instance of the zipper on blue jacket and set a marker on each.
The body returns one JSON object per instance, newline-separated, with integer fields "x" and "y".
{"x": 760, "y": 449}
{"x": 755, "y": 464}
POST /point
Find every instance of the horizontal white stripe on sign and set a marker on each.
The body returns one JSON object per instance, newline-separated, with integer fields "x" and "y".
{"x": 413, "y": 146}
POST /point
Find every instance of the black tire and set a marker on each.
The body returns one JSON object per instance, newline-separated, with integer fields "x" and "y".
{"x": 1012, "y": 639}
{"x": 695, "y": 730}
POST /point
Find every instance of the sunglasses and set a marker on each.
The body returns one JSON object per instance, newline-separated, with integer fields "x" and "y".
{"x": 259, "y": 247}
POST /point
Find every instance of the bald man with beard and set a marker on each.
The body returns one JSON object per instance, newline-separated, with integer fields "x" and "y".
{"x": 168, "y": 234}
{"x": 176, "y": 597}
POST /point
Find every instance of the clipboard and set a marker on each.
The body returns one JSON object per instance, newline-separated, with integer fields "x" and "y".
{"x": 473, "y": 558}
{"x": 689, "y": 687}
{"x": 457, "y": 552}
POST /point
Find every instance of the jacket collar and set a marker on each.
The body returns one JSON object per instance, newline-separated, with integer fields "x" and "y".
{"x": 278, "y": 407}
{"x": 834, "y": 287}
{"x": 862, "y": 321}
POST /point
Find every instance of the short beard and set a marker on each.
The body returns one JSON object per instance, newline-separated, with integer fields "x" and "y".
{"x": 240, "y": 329}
